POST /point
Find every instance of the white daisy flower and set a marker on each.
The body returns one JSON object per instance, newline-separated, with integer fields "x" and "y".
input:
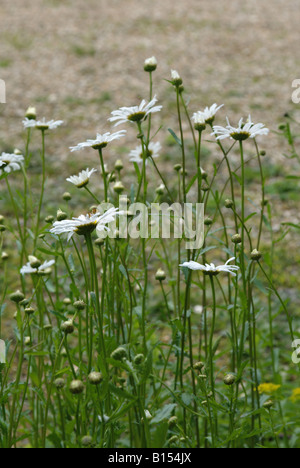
{"x": 136, "y": 155}
{"x": 42, "y": 124}
{"x": 207, "y": 115}
{"x": 198, "y": 118}
{"x": 85, "y": 224}
{"x": 242, "y": 132}
{"x": 82, "y": 179}
{"x": 212, "y": 269}
{"x": 135, "y": 113}
{"x": 10, "y": 162}
{"x": 39, "y": 270}
{"x": 100, "y": 142}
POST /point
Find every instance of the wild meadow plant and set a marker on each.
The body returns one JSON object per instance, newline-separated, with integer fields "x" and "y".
{"x": 107, "y": 353}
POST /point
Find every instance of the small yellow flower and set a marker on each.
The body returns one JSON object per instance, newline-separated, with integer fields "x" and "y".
{"x": 268, "y": 388}
{"x": 295, "y": 395}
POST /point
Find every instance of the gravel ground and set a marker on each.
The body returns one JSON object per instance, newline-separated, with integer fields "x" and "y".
{"x": 77, "y": 60}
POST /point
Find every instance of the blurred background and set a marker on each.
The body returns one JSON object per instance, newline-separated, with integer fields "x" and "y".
{"x": 77, "y": 60}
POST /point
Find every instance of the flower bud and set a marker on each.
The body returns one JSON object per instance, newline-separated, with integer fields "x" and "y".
{"x": 119, "y": 354}
{"x": 205, "y": 187}
{"x": 200, "y": 126}
{"x": 150, "y": 64}
{"x": 256, "y": 255}
{"x": 160, "y": 275}
{"x": 49, "y": 219}
{"x": 67, "y": 327}
{"x": 268, "y": 404}
{"x": 173, "y": 440}
{"x": 79, "y": 305}
{"x": 67, "y": 196}
{"x": 173, "y": 421}
{"x": 208, "y": 222}
{"x": 1, "y": 219}
{"x": 2, "y": 228}
{"x": 99, "y": 242}
{"x": 59, "y": 383}
{"x": 47, "y": 327}
{"x": 237, "y": 239}
{"x": 204, "y": 174}
{"x": 229, "y": 203}
{"x": 67, "y": 301}
{"x": 119, "y": 165}
{"x": 177, "y": 167}
{"x": 34, "y": 262}
{"x": 29, "y": 311}
{"x": 27, "y": 340}
{"x": 95, "y": 378}
{"x": 176, "y": 78}
{"x": 263, "y": 153}
{"x": 61, "y": 215}
{"x": 31, "y": 113}
{"x": 148, "y": 415}
{"x": 160, "y": 190}
{"x": 112, "y": 177}
{"x": 17, "y": 297}
{"x": 202, "y": 377}
{"x": 139, "y": 359}
{"x": 4, "y": 256}
{"x": 118, "y": 187}
{"x": 76, "y": 387}
{"x": 86, "y": 441}
{"x": 229, "y": 379}
{"x": 198, "y": 365}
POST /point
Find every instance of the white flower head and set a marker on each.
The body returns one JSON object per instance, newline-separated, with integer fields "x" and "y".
{"x": 100, "y": 142}
{"x": 240, "y": 133}
{"x": 212, "y": 269}
{"x": 207, "y": 115}
{"x": 198, "y": 118}
{"x": 135, "y": 113}
{"x": 10, "y": 163}
{"x": 42, "y": 269}
{"x": 151, "y": 61}
{"x": 198, "y": 310}
{"x": 82, "y": 179}
{"x": 136, "y": 155}
{"x": 85, "y": 224}
{"x": 42, "y": 124}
